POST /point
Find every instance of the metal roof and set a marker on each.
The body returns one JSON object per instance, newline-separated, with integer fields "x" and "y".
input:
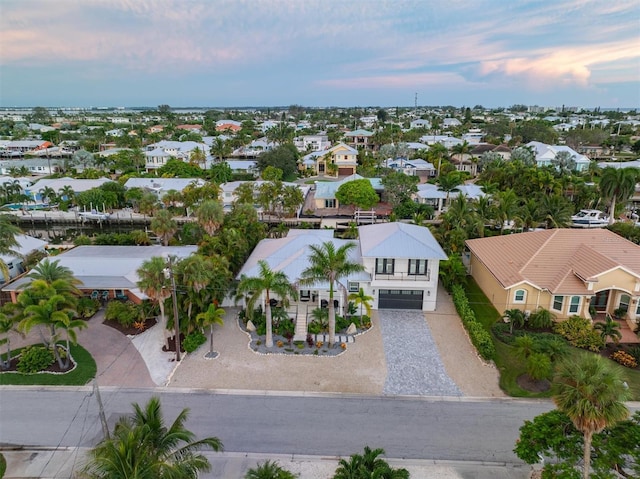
{"x": 399, "y": 240}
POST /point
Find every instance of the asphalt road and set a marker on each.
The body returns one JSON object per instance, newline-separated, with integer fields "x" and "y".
{"x": 415, "y": 428}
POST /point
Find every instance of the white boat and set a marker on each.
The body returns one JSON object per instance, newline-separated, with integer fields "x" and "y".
{"x": 589, "y": 219}
{"x": 94, "y": 215}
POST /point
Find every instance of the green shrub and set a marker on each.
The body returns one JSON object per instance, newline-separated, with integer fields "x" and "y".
{"x": 193, "y": 341}
{"x": 125, "y": 313}
{"x": 580, "y": 333}
{"x": 480, "y": 337}
{"x": 87, "y": 307}
{"x": 342, "y": 323}
{"x": 34, "y": 359}
{"x": 635, "y": 352}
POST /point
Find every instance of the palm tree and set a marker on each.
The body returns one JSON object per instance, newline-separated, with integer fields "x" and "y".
{"x": 213, "y": 315}
{"x": 609, "y": 329}
{"x": 556, "y": 211}
{"x": 362, "y": 299}
{"x": 210, "y": 216}
{"x": 69, "y": 326}
{"x": 153, "y": 282}
{"x": 50, "y": 271}
{"x": 67, "y": 193}
{"x": 195, "y": 273}
{"x": 506, "y": 208}
{"x": 449, "y": 183}
{"x": 592, "y": 394}
{"x": 269, "y": 470}
{"x": 9, "y": 316}
{"x": 8, "y": 242}
{"x": 326, "y": 263}
{"x": 50, "y": 313}
{"x": 220, "y": 149}
{"x": 48, "y": 194}
{"x": 164, "y": 226}
{"x": 368, "y": 466}
{"x": 617, "y": 185}
{"x": 267, "y": 282}
{"x": 516, "y": 318}
{"x": 144, "y": 447}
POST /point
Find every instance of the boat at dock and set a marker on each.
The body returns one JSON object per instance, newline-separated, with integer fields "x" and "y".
{"x": 589, "y": 219}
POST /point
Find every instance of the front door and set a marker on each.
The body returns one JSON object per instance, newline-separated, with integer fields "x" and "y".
{"x": 600, "y": 301}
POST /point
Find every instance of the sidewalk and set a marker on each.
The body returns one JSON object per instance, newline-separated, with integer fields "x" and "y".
{"x": 61, "y": 463}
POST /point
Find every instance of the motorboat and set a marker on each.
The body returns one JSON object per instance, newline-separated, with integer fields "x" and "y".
{"x": 94, "y": 215}
{"x": 589, "y": 219}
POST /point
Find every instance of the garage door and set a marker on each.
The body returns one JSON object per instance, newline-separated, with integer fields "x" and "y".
{"x": 399, "y": 299}
{"x": 345, "y": 171}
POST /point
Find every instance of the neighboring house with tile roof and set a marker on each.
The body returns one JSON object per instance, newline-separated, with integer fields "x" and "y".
{"x": 401, "y": 264}
{"x": 563, "y": 270}
{"x": 341, "y": 160}
{"x": 110, "y": 269}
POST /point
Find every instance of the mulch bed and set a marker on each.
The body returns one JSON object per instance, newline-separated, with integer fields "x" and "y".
{"x": 129, "y": 330}
{"x": 531, "y": 385}
{"x": 54, "y": 368}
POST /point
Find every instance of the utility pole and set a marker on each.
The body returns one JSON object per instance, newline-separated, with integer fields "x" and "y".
{"x": 168, "y": 272}
{"x": 103, "y": 417}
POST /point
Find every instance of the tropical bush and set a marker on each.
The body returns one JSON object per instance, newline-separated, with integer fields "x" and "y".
{"x": 624, "y": 358}
{"x": 580, "y": 333}
{"x": 124, "y": 313}
{"x": 87, "y": 307}
{"x": 193, "y": 341}
{"x": 269, "y": 470}
{"x": 541, "y": 319}
{"x": 34, "y": 359}
{"x": 480, "y": 337}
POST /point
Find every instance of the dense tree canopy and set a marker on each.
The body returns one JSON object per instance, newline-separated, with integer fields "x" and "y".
{"x": 358, "y": 193}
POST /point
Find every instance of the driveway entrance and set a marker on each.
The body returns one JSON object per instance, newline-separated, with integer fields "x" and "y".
{"x": 414, "y": 366}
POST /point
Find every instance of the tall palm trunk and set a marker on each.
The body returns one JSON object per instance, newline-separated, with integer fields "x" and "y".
{"x": 163, "y": 321}
{"x": 267, "y": 312}
{"x": 588, "y": 435}
{"x": 332, "y": 316}
{"x": 612, "y": 213}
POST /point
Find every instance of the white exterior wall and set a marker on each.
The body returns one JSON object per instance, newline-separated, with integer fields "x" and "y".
{"x": 402, "y": 280}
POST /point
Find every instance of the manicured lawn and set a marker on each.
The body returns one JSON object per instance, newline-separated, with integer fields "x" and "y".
{"x": 84, "y": 372}
{"x": 483, "y": 309}
{"x": 510, "y": 366}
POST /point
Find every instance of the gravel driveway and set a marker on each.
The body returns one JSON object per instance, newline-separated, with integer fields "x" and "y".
{"x": 414, "y": 366}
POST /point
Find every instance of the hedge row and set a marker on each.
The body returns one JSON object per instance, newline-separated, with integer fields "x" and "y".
{"x": 480, "y": 337}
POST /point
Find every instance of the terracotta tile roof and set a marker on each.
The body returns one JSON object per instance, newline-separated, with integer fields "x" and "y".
{"x": 559, "y": 260}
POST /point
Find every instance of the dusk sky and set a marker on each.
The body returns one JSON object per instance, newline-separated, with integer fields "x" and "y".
{"x": 319, "y": 52}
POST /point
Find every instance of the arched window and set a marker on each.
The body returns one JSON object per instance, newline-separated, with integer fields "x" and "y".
{"x": 520, "y": 296}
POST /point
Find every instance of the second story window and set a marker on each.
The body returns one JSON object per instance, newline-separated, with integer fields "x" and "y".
{"x": 384, "y": 265}
{"x": 417, "y": 266}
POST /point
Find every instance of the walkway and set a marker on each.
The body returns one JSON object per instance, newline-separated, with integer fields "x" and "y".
{"x": 413, "y": 361}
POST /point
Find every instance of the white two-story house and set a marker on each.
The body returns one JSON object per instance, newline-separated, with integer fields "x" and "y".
{"x": 404, "y": 262}
{"x": 401, "y": 264}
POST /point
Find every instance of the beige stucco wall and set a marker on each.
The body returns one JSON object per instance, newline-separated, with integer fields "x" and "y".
{"x": 489, "y": 285}
{"x": 618, "y": 281}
